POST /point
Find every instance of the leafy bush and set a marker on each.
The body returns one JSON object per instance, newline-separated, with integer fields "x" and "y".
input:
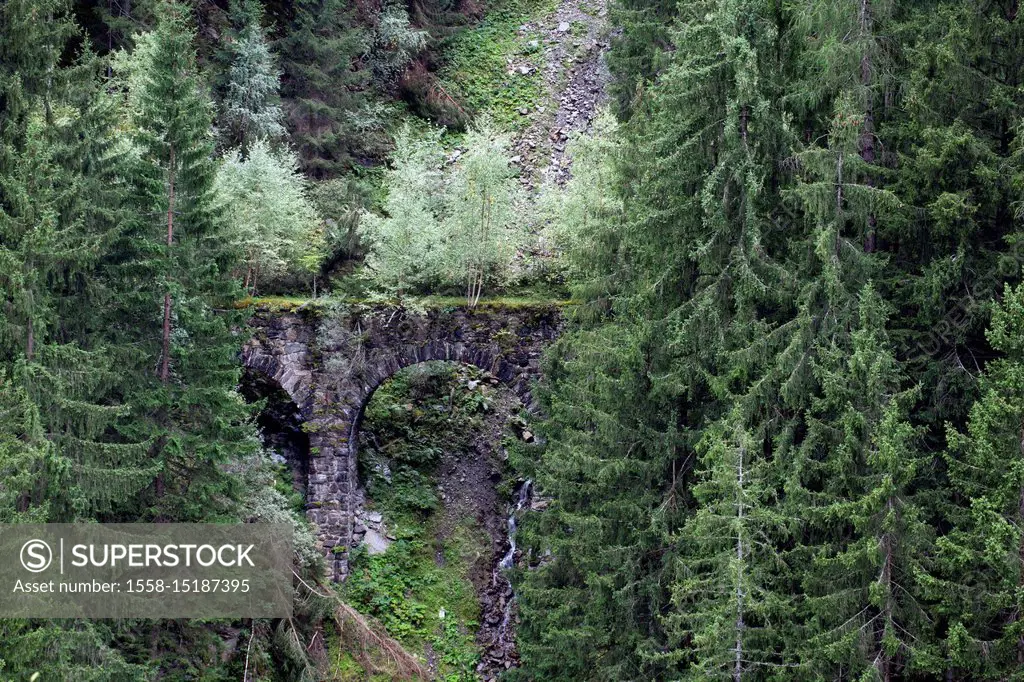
{"x": 272, "y": 221}
{"x": 404, "y": 242}
{"x": 460, "y": 228}
{"x": 383, "y": 584}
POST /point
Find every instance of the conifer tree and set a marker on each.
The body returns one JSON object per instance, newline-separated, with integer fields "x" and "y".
{"x": 702, "y": 173}
{"x": 393, "y": 45}
{"x": 178, "y": 284}
{"x": 174, "y": 125}
{"x": 835, "y": 202}
{"x": 60, "y": 213}
{"x": 731, "y": 607}
{"x": 252, "y": 106}
{"x": 845, "y": 58}
{"x": 854, "y": 481}
{"x": 956, "y": 138}
{"x": 894, "y": 122}
{"x": 592, "y": 610}
{"x": 120, "y": 21}
{"x": 682, "y": 283}
{"x": 639, "y": 48}
{"x": 29, "y": 46}
{"x": 322, "y": 84}
{"x": 56, "y": 405}
{"x": 79, "y": 650}
{"x": 981, "y": 557}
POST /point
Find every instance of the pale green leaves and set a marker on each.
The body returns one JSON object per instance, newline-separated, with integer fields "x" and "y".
{"x": 446, "y": 226}
{"x": 271, "y": 220}
{"x": 482, "y": 226}
{"x": 405, "y": 243}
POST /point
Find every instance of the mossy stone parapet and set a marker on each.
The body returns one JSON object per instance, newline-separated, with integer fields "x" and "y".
{"x": 331, "y": 377}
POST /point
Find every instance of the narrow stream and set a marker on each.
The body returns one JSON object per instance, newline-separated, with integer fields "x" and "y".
{"x": 499, "y": 634}
{"x": 504, "y": 631}
{"x": 524, "y": 499}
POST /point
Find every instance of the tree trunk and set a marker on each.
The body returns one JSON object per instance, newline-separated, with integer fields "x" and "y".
{"x": 867, "y": 131}
{"x": 1020, "y": 572}
{"x": 166, "y": 364}
{"x": 737, "y": 673}
{"x": 744, "y": 124}
{"x": 30, "y": 342}
{"x": 1020, "y": 557}
{"x": 110, "y": 37}
{"x": 839, "y": 200}
{"x": 884, "y": 660}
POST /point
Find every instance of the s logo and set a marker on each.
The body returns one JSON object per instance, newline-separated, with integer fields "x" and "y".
{"x": 36, "y": 556}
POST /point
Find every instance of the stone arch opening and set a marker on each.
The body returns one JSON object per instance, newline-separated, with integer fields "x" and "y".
{"x": 280, "y": 424}
{"x": 449, "y": 491}
{"x": 486, "y": 360}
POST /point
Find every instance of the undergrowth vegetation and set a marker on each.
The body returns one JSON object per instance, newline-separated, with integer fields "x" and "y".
{"x": 477, "y": 69}
{"x": 420, "y": 588}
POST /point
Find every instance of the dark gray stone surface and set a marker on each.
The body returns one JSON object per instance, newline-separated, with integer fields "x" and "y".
{"x": 330, "y": 361}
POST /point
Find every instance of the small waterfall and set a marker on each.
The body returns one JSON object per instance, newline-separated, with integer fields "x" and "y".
{"x": 507, "y": 560}
{"x": 500, "y": 649}
{"x": 524, "y": 498}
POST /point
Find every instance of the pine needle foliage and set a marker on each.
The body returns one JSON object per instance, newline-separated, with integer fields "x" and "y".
{"x": 179, "y": 289}
{"x": 252, "y": 103}
{"x": 322, "y": 86}
{"x": 813, "y": 214}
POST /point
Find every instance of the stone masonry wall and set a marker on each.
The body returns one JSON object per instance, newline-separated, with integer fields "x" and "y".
{"x": 331, "y": 359}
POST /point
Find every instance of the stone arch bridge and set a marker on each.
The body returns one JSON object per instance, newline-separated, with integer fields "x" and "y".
{"x": 329, "y": 359}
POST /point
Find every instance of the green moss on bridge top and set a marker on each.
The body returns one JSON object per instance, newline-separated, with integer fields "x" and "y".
{"x": 290, "y": 303}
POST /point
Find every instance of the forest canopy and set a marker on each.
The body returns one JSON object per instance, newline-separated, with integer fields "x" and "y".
{"x": 780, "y": 435}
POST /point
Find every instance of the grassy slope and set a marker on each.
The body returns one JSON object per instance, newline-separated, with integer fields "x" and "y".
{"x": 476, "y": 66}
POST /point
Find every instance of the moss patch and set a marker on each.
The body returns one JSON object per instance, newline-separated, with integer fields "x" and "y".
{"x": 511, "y": 302}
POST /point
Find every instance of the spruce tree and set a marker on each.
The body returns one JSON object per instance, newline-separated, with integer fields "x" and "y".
{"x": 956, "y": 138}
{"x": 846, "y": 58}
{"x": 639, "y": 48}
{"x": 739, "y": 283}
{"x": 981, "y": 556}
{"x": 178, "y": 289}
{"x": 57, "y": 400}
{"x": 61, "y": 211}
{"x": 854, "y": 479}
{"x": 252, "y": 102}
{"x": 29, "y": 46}
{"x": 322, "y": 84}
{"x": 591, "y": 611}
{"x": 731, "y": 608}
{"x": 118, "y": 22}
